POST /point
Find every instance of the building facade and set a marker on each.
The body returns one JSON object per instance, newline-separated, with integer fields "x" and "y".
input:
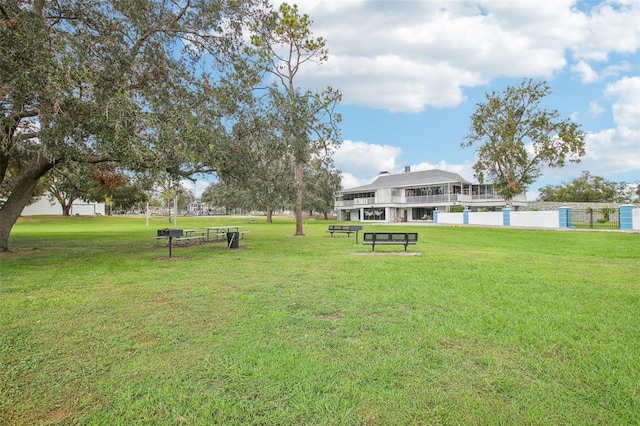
{"x": 413, "y": 196}
{"x": 45, "y": 206}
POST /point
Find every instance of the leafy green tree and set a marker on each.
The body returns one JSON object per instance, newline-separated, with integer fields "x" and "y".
{"x": 128, "y": 196}
{"x": 91, "y": 182}
{"x": 586, "y": 188}
{"x": 321, "y": 185}
{"x": 628, "y": 192}
{"x": 228, "y": 195}
{"x": 89, "y": 81}
{"x": 516, "y": 137}
{"x": 172, "y": 193}
{"x": 306, "y": 121}
{"x": 66, "y": 187}
{"x": 261, "y": 165}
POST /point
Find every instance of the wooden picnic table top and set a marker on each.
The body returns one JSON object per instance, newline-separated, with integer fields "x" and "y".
{"x": 214, "y": 228}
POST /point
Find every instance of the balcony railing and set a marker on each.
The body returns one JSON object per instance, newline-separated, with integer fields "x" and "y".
{"x": 427, "y": 199}
{"x": 356, "y": 202}
{"x": 430, "y": 199}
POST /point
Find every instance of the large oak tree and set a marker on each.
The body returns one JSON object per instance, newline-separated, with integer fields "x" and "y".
{"x": 93, "y": 80}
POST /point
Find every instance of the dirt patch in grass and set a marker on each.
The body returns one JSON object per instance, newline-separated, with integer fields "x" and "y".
{"x": 58, "y": 415}
{"x": 171, "y": 259}
{"x": 19, "y": 252}
{"x": 333, "y": 316}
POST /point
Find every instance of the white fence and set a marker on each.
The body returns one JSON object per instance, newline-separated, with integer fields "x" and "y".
{"x": 548, "y": 219}
{"x": 451, "y": 218}
{"x": 486, "y": 218}
{"x": 561, "y": 218}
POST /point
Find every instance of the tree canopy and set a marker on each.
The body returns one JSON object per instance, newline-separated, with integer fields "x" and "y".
{"x": 590, "y": 188}
{"x": 137, "y": 83}
{"x": 516, "y": 137}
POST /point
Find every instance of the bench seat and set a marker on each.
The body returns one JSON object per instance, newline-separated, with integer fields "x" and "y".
{"x": 340, "y": 229}
{"x": 160, "y": 240}
{"x": 344, "y": 229}
{"x": 187, "y": 240}
{"x": 390, "y": 238}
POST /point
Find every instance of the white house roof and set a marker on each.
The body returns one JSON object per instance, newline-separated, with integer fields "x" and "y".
{"x": 410, "y": 179}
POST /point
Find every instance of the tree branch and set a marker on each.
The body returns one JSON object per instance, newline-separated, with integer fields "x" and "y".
{"x": 4, "y": 12}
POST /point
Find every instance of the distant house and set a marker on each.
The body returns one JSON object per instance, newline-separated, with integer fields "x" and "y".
{"x": 79, "y": 207}
{"x": 412, "y": 196}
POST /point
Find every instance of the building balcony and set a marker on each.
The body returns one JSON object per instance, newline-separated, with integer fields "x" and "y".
{"x": 440, "y": 199}
{"x": 433, "y": 199}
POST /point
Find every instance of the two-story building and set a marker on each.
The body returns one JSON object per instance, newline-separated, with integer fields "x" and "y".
{"x": 411, "y": 196}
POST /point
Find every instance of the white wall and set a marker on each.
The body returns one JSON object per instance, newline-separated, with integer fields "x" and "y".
{"x": 451, "y": 218}
{"x": 545, "y": 219}
{"x": 486, "y": 218}
{"x": 44, "y": 207}
{"x": 636, "y": 219}
{"x": 383, "y": 195}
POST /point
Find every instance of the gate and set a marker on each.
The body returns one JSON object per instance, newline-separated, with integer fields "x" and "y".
{"x": 602, "y": 218}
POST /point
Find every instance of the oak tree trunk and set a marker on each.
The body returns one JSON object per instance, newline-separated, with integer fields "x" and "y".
{"x": 23, "y": 189}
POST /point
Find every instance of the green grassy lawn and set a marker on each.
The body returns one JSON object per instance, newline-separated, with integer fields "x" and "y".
{"x": 484, "y": 326}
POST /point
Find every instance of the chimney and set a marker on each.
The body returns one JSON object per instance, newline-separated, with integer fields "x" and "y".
{"x": 407, "y": 169}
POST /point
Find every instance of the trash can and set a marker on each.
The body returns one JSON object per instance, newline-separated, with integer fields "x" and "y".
{"x": 233, "y": 239}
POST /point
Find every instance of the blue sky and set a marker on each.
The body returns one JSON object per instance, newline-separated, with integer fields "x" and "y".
{"x": 411, "y": 73}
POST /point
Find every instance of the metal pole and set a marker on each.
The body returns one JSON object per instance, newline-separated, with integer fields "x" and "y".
{"x": 175, "y": 212}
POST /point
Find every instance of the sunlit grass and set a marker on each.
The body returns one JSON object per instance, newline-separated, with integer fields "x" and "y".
{"x": 482, "y": 326}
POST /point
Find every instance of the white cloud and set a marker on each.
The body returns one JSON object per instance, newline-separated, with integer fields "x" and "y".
{"x": 616, "y": 69}
{"x": 465, "y": 170}
{"x": 351, "y": 181}
{"x": 617, "y": 149}
{"x": 626, "y": 108}
{"x": 395, "y": 83}
{"x": 409, "y": 55}
{"x": 364, "y": 159}
{"x": 595, "y": 109}
{"x": 611, "y": 27}
{"x": 586, "y": 74}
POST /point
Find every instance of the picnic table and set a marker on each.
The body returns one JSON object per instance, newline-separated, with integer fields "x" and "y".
{"x": 220, "y": 232}
{"x": 191, "y": 235}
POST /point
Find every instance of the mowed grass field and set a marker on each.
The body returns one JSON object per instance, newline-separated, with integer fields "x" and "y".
{"x": 478, "y": 326}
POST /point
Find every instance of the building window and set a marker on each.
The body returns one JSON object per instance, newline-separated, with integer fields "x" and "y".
{"x": 349, "y": 197}
{"x": 374, "y": 214}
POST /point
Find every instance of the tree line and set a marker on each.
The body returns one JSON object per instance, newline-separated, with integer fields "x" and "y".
{"x": 592, "y": 189}
{"x": 151, "y": 89}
